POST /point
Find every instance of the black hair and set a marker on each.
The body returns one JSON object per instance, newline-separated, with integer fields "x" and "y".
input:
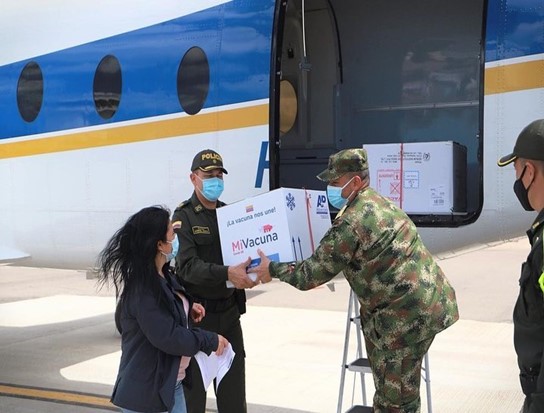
{"x": 128, "y": 259}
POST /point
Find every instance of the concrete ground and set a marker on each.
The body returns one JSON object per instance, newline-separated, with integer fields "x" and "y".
{"x": 57, "y": 333}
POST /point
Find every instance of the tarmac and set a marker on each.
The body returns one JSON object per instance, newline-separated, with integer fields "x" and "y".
{"x": 59, "y": 350}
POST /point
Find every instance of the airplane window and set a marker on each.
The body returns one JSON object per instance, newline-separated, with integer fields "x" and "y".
{"x": 30, "y": 91}
{"x": 107, "y": 85}
{"x": 193, "y": 80}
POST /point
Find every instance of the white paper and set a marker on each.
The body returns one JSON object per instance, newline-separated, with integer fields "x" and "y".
{"x": 214, "y": 366}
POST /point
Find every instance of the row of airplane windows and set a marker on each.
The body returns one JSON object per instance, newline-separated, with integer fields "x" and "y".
{"x": 193, "y": 80}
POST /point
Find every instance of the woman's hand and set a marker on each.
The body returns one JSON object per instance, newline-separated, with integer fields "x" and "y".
{"x": 197, "y": 312}
{"x": 221, "y": 344}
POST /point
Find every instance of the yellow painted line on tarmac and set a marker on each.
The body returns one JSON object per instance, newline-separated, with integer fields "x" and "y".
{"x": 57, "y": 396}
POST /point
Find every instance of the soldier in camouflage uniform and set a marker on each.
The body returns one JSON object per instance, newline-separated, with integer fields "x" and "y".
{"x": 405, "y": 297}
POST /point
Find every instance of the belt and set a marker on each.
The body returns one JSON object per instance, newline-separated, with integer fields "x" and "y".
{"x": 218, "y": 305}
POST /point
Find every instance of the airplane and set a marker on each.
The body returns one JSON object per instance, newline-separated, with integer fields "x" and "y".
{"x": 104, "y": 104}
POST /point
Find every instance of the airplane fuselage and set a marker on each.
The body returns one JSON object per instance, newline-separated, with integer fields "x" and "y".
{"x": 103, "y": 108}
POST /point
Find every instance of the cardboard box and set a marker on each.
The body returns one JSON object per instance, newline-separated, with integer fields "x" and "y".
{"x": 429, "y": 177}
{"x": 286, "y": 224}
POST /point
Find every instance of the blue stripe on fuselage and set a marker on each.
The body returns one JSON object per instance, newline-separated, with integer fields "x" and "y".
{"x": 515, "y": 28}
{"x": 235, "y": 36}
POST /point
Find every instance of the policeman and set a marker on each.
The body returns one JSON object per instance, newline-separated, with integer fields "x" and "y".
{"x": 199, "y": 266}
{"x": 405, "y": 297}
{"x": 528, "y": 159}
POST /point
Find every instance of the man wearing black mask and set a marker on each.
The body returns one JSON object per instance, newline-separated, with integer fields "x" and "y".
{"x": 528, "y": 159}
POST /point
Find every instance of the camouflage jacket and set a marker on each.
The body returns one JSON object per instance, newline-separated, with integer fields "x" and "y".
{"x": 404, "y": 295}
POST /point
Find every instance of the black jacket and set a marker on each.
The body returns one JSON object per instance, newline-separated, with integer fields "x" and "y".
{"x": 529, "y": 321}
{"x": 154, "y": 337}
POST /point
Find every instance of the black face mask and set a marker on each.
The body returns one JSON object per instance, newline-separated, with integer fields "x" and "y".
{"x": 523, "y": 193}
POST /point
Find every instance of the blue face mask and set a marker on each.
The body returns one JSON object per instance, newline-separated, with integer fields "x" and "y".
{"x": 212, "y": 188}
{"x": 334, "y": 193}
{"x": 175, "y": 248}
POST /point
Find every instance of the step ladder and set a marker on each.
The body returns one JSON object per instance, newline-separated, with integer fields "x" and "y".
{"x": 361, "y": 364}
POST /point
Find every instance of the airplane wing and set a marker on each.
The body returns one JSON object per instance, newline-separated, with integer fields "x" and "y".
{"x": 11, "y": 254}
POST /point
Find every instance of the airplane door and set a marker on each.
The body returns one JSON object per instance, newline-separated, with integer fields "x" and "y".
{"x": 378, "y": 72}
{"x": 308, "y": 81}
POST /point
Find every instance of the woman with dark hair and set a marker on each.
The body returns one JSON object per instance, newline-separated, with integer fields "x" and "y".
{"x": 157, "y": 339}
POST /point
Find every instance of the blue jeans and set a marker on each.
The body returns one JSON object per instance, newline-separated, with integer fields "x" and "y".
{"x": 179, "y": 401}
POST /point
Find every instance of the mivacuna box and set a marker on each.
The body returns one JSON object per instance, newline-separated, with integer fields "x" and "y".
{"x": 420, "y": 177}
{"x": 286, "y": 224}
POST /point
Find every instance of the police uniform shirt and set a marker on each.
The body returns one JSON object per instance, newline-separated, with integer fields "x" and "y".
{"x": 529, "y": 316}
{"x": 199, "y": 263}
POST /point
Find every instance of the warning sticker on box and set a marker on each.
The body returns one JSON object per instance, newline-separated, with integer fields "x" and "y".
{"x": 389, "y": 184}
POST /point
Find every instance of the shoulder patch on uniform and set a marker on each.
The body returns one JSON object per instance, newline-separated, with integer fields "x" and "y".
{"x": 201, "y": 230}
{"x": 176, "y": 224}
{"x": 183, "y": 204}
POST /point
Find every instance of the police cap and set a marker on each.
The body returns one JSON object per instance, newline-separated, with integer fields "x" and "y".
{"x": 207, "y": 160}
{"x": 343, "y": 162}
{"x": 529, "y": 145}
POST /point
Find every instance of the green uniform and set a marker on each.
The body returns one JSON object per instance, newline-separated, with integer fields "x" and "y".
{"x": 405, "y": 297}
{"x": 199, "y": 266}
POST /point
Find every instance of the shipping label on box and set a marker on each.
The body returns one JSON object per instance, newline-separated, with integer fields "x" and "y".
{"x": 420, "y": 177}
{"x": 286, "y": 224}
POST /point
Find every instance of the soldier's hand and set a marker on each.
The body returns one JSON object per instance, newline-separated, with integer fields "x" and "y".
{"x": 222, "y": 343}
{"x": 262, "y": 271}
{"x": 238, "y": 275}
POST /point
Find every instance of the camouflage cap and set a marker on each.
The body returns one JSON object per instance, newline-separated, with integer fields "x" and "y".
{"x": 529, "y": 145}
{"x": 343, "y": 162}
{"x": 207, "y": 160}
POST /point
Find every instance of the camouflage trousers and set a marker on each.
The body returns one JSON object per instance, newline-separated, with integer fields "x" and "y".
{"x": 397, "y": 377}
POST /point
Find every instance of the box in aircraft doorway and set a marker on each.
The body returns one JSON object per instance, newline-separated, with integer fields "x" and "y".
{"x": 286, "y": 224}
{"x": 420, "y": 177}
